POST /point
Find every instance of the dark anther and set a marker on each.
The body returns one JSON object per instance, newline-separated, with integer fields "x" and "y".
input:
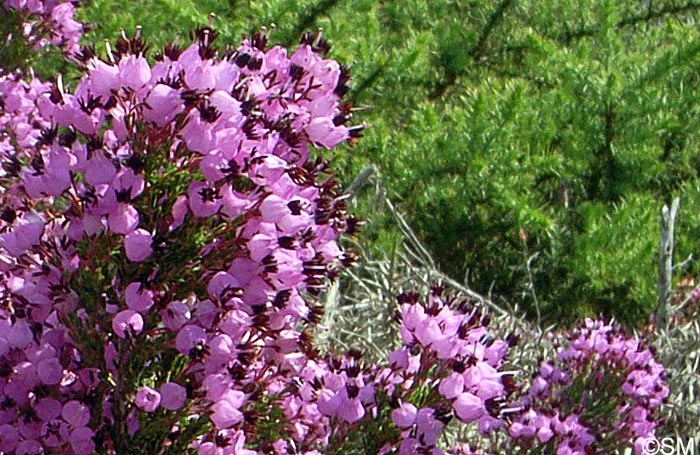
{"x": 12, "y": 166}
{"x": 296, "y": 72}
{"x": 353, "y": 391}
{"x": 8, "y": 215}
{"x": 241, "y": 60}
{"x": 66, "y": 139}
{"x": 255, "y": 64}
{"x": 47, "y": 136}
{"x": 137, "y": 162}
{"x": 295, "y": 207}
{"x": 286, "y": 242}
{"x": 281, "y": 299}
{"x": 259, "y": 41}
{"x": 38, "y": 164}
{"x": 209, "y": 194}
{"x": 123, "y": 195}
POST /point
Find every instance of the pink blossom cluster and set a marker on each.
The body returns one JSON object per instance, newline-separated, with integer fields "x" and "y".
{"x": 48, "y": 22}
{"x": 163, "y": 230}
{"x": 329, "y": 403}
{"x": 449, "y": 366}
{"x": 602, "y": 393}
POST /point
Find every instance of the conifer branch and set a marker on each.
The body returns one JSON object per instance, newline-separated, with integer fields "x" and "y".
{"x": 587, "y": 32}
{"x": 478, "y": 51}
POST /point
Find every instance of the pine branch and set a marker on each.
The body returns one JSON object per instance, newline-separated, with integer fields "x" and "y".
{"x": 567, "y": 36}
{"x": 588, "y": 32}
{"x": 479, "y": 49}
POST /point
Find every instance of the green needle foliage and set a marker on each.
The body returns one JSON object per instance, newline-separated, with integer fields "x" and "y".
{"x": 531, "y": 144}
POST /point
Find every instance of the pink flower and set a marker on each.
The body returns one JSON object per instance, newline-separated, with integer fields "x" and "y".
{"x": 127, "y": 321}
{"x": 173, "y": 396}
{"x": 137, "y": 244}
{"x": 404, "y": 416}
{"x": 428, "y": 427}
{"x": 134, "y": 71}
{"x": 204, "y": 200}
{"x": 123, "y": 219}
{"x": 81, "y": 441}
{"x": 188, "y": 337}
{"x": 147, "y": 399}
{"x": 50, "y": 371}
{"x": 469, "y": 407}
{"x": 162, "y": 105}
{"x": 48, "y": 409}
{"x": 76, "y": 413}
{"x": 350, "y": 409}
{"x": 225, "y": 412}
{"x": 452, "y": 386}
{"x": 323, "y": 132}
{"x": 138, "y": 298}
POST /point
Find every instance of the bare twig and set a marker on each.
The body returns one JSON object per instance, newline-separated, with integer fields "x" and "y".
{"x": 668, "y": 220}
{"x": 361, "y": 180}
{"x": 531, "y": 287}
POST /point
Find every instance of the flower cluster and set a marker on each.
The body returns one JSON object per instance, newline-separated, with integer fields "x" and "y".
{"x": 163, "y": 227}
{"x": 602, "y": 393}
{"x": 48, "y": 22}
{"x": 449, "y": 366}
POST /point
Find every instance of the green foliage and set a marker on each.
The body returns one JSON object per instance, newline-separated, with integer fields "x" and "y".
{"x": 506, "y": 130}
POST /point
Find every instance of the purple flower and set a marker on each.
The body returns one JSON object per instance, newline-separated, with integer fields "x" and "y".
{"x": 123, "y": 219}
{"x": 469, "y": 407}
{"x": 137, "y": 244}
{"x": 162, "y": 105}
{"x": 404, "y": 416}
{"x": 127, "y": 321}
{"x": 50, "y": 371}
{"x": 147, "y": 399}
{"x": 233, "y": 140}
{"x": 76, "y": 414}
{"x": 173, "y": 396}
{"x": 226, "y": 411}
{"x": 81, "y": 441}
{"x": 138, "y": 298}
{"x": 428, "y": 428}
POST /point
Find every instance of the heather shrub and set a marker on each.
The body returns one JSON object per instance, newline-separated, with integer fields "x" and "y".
{"x": 161, "y": 227}
{"x": 602, "y": 393}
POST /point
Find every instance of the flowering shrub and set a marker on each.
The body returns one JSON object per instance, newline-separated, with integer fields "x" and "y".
{"x": 159, "y": 227}
{"x": 601, "y": 394}
{"x": 449, "y": 366}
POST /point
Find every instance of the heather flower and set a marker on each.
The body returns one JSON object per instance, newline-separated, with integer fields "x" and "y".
{"x": 127, "y": 322}
{"x": 76, "y": 413}
{"x": 226, "y": 411}
{"x": 48, "y": 22}
{"x": 147, "y": 399}
{"x": 404, "y": 416}
{"x": 138, "y": 298}
{"x": 469, "y": 407}
{"x": 173, "y": 396}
